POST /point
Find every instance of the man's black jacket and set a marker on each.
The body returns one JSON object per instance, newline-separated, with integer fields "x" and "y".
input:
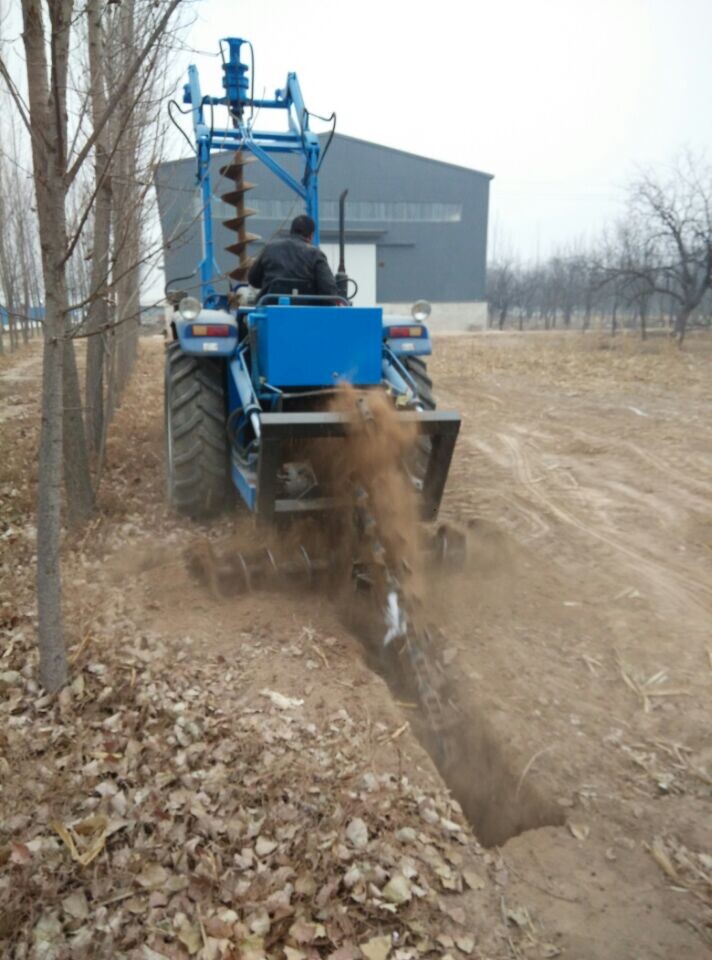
{"x": 292, "y": 258}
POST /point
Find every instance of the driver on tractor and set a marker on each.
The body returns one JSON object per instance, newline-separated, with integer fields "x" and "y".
{"x": 294, "y": 262}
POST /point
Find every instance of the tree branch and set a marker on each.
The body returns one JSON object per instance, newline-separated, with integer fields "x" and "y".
{"x": 120, "y": 91}
{"x": 15, "y": 94}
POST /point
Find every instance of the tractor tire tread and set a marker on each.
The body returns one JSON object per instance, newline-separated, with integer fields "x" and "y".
{"x": 418, "y": 370}
{"x": 196, "y": 412}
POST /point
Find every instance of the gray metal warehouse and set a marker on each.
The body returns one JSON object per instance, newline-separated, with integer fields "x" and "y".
{"x": 415, "y": 227}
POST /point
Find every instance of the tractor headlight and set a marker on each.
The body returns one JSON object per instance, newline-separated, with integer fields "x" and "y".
{"x": 189, "y": 308}
{"x": 420, "y": 311}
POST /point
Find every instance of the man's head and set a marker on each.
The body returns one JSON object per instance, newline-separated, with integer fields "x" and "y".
{"x": 303, "y": 226}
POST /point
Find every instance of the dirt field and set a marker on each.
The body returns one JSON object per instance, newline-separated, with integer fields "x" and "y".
{"x": 584, "y": 631}
{"x": 579, "y": 645}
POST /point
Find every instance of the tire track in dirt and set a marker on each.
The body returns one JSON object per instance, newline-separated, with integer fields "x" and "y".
{"x": 548, "y": 634}
{"x": 687, "y": 589}
{"x": 685, "y": 482}
{"x": 20, "y": 370}
{"x": 531, "y": 497}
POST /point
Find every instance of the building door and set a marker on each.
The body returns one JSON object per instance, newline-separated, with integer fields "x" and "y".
{"x": 360, "y": 264}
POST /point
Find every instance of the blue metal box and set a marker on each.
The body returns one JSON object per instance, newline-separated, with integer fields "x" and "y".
{"x": 319, "y": 346}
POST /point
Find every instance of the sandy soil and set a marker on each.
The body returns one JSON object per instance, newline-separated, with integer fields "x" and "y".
{"x": 578, "y": 637}
{"x": 583, "y": 628}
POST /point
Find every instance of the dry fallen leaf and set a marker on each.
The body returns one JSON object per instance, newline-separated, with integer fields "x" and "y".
{"x": 259, "y": 923}
{"x": 662, "y": 859}
{"x": 456, "y": 914}
{"x": 292, "y": 954}
{"x": 347, "y": 951}
{"x": 377, "y": 948}
{"x": 519, "y": 916}
{"x": 357, "y": 833}
{"x": 473, "y": 880}
{"x": 152, "y": 876}
{"x": 252, "y": 948}
{"x": 19, "y": 853}
{"x": 398, "y": 889}
{"x": 580, "y": 831}
{"x": 263, "y": 847}
{"x": 449, "y": 878}
{"x": 76, "y": 906}
{"x": 218, "y": 928}
{"x": 302, "y": 932}
{"x": 48, "y": 937}
{"x": 188, "y": 933}
{"x": 280, "y": 701}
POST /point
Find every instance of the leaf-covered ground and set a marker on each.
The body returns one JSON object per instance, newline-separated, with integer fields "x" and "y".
{"x": 249, "y": 791}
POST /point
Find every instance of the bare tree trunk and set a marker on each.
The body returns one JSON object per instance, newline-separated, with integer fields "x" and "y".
{"x": 47, "y": 98}
{"x": 98, "y": 307}
{"x": 12, "y": 323}
{"x": 26, "y": 322}
{"x": 50, "y": 629}
{"x": 680, "y": 328}
{"x": 127, "y": 229}
{"x": 77, "y": 476}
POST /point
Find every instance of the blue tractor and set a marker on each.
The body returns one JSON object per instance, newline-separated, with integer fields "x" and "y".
{"x": 249, "y": 385}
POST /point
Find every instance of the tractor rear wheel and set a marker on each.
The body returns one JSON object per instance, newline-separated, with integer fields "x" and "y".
{"x": 418, "y": 371}
{"x": 197, "y": 474}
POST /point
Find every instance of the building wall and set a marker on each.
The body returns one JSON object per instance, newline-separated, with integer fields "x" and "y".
{"x": 361, "y": 261}
{"x": 427, "y": 220}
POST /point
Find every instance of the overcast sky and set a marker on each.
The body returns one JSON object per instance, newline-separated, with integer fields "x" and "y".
{"x": 559, "y": 99}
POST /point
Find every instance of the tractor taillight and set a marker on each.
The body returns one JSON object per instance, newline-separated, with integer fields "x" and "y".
{"x": 395, "y": 332}
{"x": 212, "y": 330}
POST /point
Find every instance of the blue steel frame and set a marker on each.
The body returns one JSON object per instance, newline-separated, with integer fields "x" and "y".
{"x": 251, "y": 401}
{"x": 298, "y": 139}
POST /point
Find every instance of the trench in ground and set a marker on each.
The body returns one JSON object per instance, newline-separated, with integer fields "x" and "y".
{"x": 498, "y": 797}
{"x": 473, "y": 759}
{"x": 497, "y": 794}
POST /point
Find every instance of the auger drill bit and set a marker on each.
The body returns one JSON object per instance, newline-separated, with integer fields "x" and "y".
{"x": 236, "y": 197}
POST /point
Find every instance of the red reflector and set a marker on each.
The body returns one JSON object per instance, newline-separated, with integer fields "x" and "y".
{"x": 405, "y": 332}
{"x": 212, "y": 330}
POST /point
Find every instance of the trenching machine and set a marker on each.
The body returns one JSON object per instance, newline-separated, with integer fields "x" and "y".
{"x": 251, "y": 379}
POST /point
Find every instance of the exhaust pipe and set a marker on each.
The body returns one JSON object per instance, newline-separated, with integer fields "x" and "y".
{"x": 341, "y": 277}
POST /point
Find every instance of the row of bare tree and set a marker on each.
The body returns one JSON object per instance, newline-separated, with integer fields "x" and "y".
{"x": 20, "y": 286}
{"x": 653, "y": 267}
{"x": 90, "y": 118}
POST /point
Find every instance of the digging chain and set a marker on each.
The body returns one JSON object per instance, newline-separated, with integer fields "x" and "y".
{"x": 413, "y": 642}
